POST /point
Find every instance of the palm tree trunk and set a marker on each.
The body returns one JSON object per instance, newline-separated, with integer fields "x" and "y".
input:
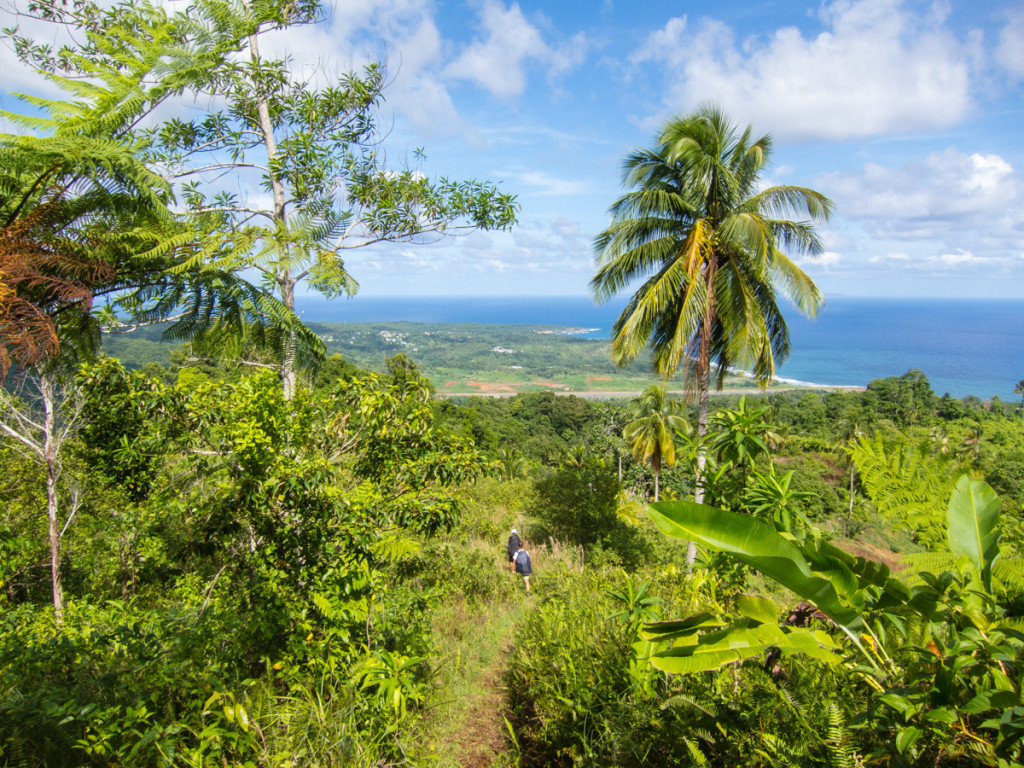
{"x": 704, "y": 372}
{"x": 657, "y": 475}
{"x": 853, "y": 470}
{"x": 703, "y": 387}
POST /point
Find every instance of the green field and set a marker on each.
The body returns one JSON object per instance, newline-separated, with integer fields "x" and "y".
{"x": 463, "y": 358}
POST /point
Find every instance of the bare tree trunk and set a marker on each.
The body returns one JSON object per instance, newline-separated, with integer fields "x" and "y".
{"x": 50, "y": 445}
{"x": 42, "y": 440}
{"x": 853, "y": 470}
{"x": 285, "y": 280}
{"x": 703, "y": 402}
{"x": 287, "y": 373}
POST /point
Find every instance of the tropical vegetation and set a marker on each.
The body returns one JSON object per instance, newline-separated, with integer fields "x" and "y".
{"x": 247, "y": 553}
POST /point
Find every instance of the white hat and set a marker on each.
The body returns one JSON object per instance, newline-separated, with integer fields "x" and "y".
{"x": 513, "y": 530}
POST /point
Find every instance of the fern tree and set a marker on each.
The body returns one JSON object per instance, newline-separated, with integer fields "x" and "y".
{"x": 908, "y": 481}
{"x": 85, "y": 157}
{"x": 77, "y": 211}
{"x": 83, "y": 217}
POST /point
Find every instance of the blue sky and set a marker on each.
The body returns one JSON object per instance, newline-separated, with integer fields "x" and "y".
{"x": 908, "y": 114}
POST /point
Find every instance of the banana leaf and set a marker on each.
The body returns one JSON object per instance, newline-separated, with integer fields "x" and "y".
{"x": 741, "y": 641}
{"x": 834, "y": 590}
{"x": 973, "y": 525}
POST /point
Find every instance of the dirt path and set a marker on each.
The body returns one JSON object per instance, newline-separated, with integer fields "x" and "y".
{"x": 467, "y": 728}
{"x": 480, "y": 739}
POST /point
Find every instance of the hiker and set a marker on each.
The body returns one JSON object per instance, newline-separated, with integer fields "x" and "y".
{"x": 521, "y": 563}
{"x": 513, "y": 547}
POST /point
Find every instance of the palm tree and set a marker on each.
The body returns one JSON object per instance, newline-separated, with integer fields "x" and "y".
{"x": 576, "y": 457}
{"x": 699, "y": 229}
{"x": 1019, "y": 390}
{"x": 510, "y": 464}
{"x": 970, "y": 446}
{"x": 652, "y": 432}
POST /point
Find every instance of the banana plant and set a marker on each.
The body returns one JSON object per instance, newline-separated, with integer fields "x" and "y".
{"x": 845, "y": 588}
{"x": 637, "y": 606}
{"x": 954, "y": 687}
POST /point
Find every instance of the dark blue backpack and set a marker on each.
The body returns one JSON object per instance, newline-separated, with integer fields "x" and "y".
{"x": 523, "y": 563}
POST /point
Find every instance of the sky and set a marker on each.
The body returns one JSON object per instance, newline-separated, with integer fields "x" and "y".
{"x": 907, "y": 114}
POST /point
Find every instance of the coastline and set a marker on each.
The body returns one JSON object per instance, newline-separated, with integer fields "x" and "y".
{"x": 964, "y": 347}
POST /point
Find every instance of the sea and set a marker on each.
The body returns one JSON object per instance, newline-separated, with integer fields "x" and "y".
{"x": 964, "y": 346}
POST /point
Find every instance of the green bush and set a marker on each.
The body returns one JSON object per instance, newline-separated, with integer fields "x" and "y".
{"x": 581, "y": 693}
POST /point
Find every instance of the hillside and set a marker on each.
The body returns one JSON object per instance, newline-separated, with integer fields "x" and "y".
{"x": 463, "y": 358}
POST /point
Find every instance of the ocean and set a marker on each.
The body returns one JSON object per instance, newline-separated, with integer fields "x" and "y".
{"x": 964, "y": 346}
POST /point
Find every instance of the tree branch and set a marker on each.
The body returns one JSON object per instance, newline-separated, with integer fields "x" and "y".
{"x": 216, "y": 167}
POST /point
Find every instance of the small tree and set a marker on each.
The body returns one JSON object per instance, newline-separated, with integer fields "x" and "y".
{"x": 317, "y": 150}
{"x": 849, "y": 431}
{"x": 651, "y": 434}
{"x": 737, "y": 439}
{"x": 37, "y": 424}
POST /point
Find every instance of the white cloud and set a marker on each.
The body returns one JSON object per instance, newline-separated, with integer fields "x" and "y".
{"x": 546, "y": 184}
{"x": 564, "y": 226}
{"x": 888, "y": 258}
{"x": 875, "y": 68}
{"x": 958, "y": 258}
{"x": 402, "y": 34}
{"x": 948, "y": 211}
{"x": 946, "y": 193}
{"x": 1010, "y": 51}
{"x": 826, "y": 259}
{"x": 498, "y": 60}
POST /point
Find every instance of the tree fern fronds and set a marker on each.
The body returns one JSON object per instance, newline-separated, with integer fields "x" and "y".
{"x": 696, "y": 754}
{"x": 927, "y": 562}
{"x": 219, "y": 308}
{"x": 838, "y": 742}
{"x": 1008, "y": 575}
{"x": 708, "y": 708}
{"x": 777, "y": 749}
{"x": 909, "y": 484}
{"x": 704, "y": 735}
{"x": 787, "y": 696}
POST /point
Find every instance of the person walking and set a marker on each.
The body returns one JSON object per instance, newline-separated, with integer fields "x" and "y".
{"x": 521, "y": 563}
{"x": 513, "y": 547}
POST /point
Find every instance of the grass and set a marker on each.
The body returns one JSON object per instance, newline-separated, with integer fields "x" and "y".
{"x": 464, "y": 725}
